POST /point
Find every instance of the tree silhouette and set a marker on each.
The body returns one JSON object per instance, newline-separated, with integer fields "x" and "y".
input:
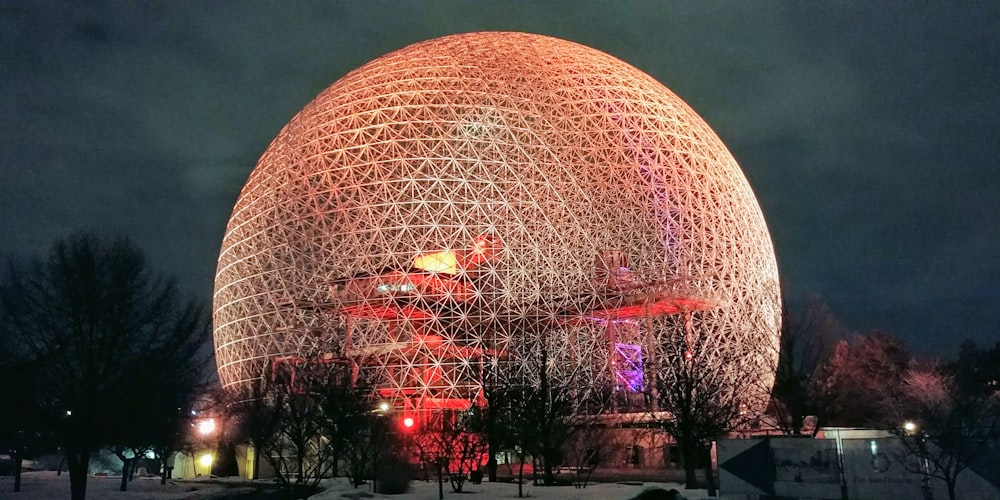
{"x": 807, "y": 337}
{"x": 855, "y": 384}
{"x": 955, "y": 416}
{"x": 550, "y": 407}
{"x": 111, "y": 343}
{"x": 699, "y": 398}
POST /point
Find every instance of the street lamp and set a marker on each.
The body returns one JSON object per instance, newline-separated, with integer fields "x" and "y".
{"x": 206, "y": 426}
{"x": 909, "y": 427}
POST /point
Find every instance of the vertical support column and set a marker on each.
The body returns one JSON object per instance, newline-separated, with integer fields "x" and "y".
{"x": 653, "y": 377}
{"x": 609, "y": 332}
{"x": 688, "y": 337}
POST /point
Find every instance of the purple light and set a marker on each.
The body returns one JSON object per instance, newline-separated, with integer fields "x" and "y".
{"x": 628, "y": 366}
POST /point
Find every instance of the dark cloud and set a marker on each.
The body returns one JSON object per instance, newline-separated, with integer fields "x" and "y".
{"x": 868, "y": 130}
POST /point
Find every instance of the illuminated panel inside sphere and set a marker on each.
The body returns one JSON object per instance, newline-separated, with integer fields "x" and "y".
{"x": 446, "y": 212}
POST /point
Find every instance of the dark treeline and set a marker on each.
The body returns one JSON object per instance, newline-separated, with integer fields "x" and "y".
{"x": 97, "y": 351}
{"x": 100, "y": 352}
{"x": 946, "y": 412}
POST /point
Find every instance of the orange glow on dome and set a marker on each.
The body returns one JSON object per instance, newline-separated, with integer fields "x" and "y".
{"x": 487, "y": 191}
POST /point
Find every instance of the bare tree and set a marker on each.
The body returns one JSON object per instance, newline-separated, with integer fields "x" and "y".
{"x": 21, "y": 436}
{"x": 167, "y": 435}
{"x": 952, "y": 416}
{"x": 497, "y": 415}
{"x": 256, "y": 421}
{"x": 453, "y": 442}
{"x": 855, "y": 384}
{"x": 286, "y": 423}
{"x": 806, "y": 342}
{"x": 368, "y": 447}
{"x": 153, "y": 409}
{"x": 90, "y": 317}
{"x": 347, "y": 419}
{"x": 700, "y": 398}
{"x": 305, "y": 426}
{"x": 552, "y": 409}
{"x": 587, "y": 450}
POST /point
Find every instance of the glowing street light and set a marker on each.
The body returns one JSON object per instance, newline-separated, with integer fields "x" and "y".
{"x": 909, "y": 427}
{"x": 206, "y": 426}
{"x": 383, "y": 407}
{"x": 206, "y": 460}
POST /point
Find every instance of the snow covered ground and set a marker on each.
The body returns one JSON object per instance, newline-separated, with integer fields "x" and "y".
{"x": 47, "y": 486}
{"x": 420, "y": 490}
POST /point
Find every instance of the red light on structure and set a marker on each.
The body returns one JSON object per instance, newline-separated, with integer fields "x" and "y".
{"x": 408, "y": 422}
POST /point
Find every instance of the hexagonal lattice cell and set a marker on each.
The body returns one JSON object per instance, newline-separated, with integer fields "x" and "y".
{"x": 461, "y": 202}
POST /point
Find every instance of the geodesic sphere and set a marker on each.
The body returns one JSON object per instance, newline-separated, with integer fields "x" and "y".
{"x": 464, "y": 197}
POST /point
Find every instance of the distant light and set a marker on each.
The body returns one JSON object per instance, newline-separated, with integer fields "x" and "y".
{"x": 444, "y": 261}
{"x": 193, "y": 413}
{"x": 69, "y": 413}
{"x": 909, "y": 427}
{"x": 206, "y": 460}
{"x": 383, "y": 407}
{"x": 408, "y": 422}
{"x": 206, "y": 426}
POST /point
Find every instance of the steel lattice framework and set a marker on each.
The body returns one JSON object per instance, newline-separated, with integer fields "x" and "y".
{"x": 446, "y": 209}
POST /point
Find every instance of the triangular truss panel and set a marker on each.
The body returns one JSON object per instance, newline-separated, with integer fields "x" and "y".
{"x": 451, "y": 208}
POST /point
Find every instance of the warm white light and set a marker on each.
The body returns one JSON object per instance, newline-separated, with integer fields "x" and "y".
{"x": 383, "y": 407}
{"x": 205, "y": 460}
{"x": 206, "y": 426}
{"x": 909, "y": 427}
{"x": 437, "y": 262}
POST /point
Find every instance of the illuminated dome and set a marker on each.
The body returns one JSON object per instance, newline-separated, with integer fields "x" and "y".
{"x": 457, "y": 205}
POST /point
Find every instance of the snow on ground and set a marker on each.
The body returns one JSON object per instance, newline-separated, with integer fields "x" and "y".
{"x": 420, "y": 490}
{"x": 45, "y": 485}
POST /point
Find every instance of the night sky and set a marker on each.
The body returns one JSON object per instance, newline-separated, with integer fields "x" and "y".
{"x": 870, "y": 131}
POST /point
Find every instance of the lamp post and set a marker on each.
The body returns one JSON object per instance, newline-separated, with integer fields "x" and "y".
{"x": 910, "y": 428}
{"x": 206, "y": 430}
{"x": 840, "y": 465}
